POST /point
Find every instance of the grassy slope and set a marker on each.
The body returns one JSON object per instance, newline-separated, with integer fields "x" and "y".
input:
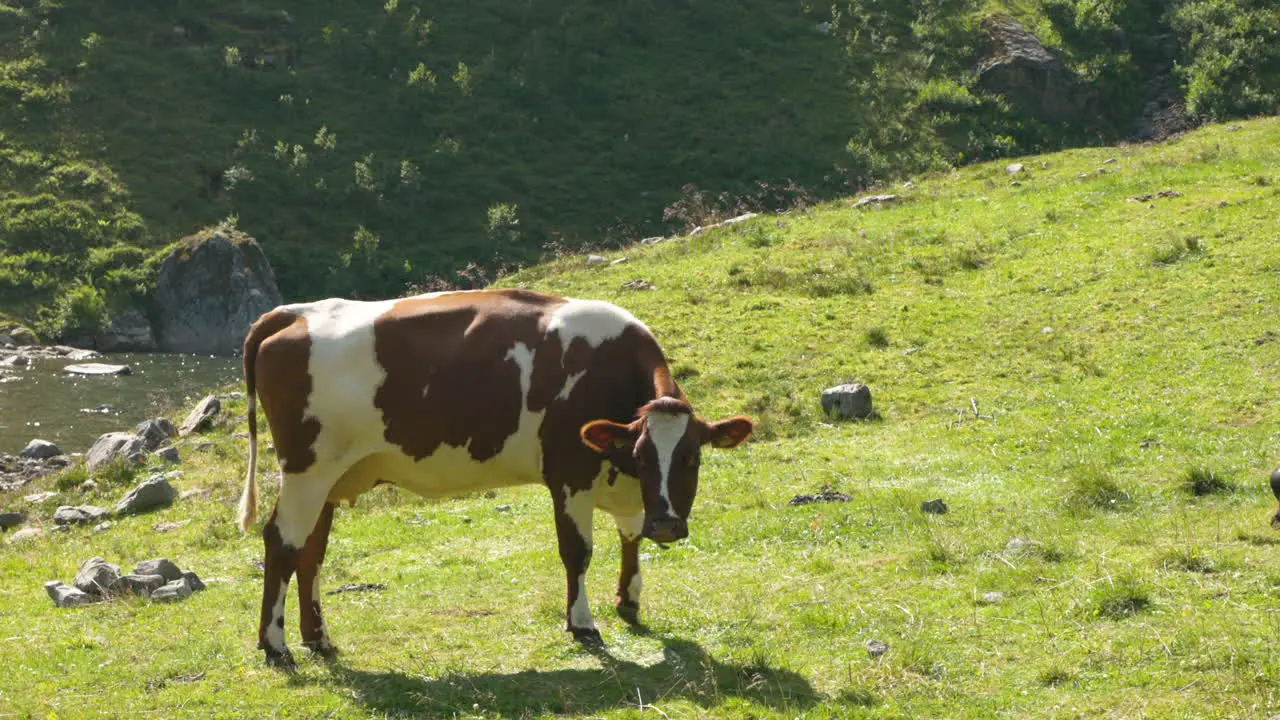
{"x": 1108, "y": 353}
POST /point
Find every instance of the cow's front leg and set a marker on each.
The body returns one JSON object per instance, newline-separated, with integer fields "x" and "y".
{"x": 573, "y": 530}
{"x": 314, "y": 635}
{"x": 627, "y": 600}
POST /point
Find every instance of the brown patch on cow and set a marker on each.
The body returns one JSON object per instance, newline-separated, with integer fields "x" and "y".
{"x": 450, "y": 377}
{"x": 310, "y": 559}
{"x": 282, "y": 372}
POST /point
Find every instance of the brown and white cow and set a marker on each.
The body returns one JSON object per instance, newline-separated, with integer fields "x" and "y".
{"x": 450, "y": 393}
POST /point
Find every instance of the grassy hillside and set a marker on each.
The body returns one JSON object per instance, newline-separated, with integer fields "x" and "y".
{"x": 370, "y": 145}
{"x": 1121, "y": 358}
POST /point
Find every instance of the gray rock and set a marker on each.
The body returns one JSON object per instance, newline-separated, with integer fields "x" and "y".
{"x": 169, "y": 455}
{"x": 110, "y": 446}
{"x": 61, "y": 529}
{"x": 1018, "y": 544}
{"x": 16, "y": 361}
{"x": 193, "y": 581}
{"x": 87, "y": 487}
{"x": 11, "y": 519}
{"x": 103, "y": 526}
{"x": 155, "y": 433}
{"x": 97, "y": 369}
{"x": 876, "y": 648}
{"x": 152, "y": 493}
{"x": 619, "y": 261}
{"x": 874, "y": 200}
{"x": 596, "y": 260}
{"x": 5, "y": 339}
{"x": 851, "y": 401}
{"x": 24, "y": 534}
{"x": 65, "y": 595}
{"x": 201, "y": 416}
{"x": 20, "y": 335}
{"x": 1014, "y": 168}
{"x": 210, "y": 289}
{"x": 1028, "y": 76}
{"x": 934, "y": 507}
{"x": 127, "y": 331}
{"x": 992, "y": 598}
{"x": 159, "y": 566}
{"x": 172, "y": 592}
{"x": 40, "y": 497}
{"x": 78, "y": 515}
{"x": 195, "y": 492}
{"x": 723, "y": 223}
{"x": 135, "y": 584}
{"x": 40, "y": 450}
{"x": 96, "y": 576}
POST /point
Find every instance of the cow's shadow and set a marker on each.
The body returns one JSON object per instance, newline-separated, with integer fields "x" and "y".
{"x": 686, "y": 672}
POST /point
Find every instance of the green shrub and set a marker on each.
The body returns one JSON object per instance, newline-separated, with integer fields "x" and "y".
{"x": 1093, "y": 488}
{"x": 81, "y": 309}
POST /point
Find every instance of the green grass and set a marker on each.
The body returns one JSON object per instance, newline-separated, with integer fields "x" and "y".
{"x": 1097, "y": 375}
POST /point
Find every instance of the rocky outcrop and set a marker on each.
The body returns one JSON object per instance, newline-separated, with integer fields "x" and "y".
{"x": 201, "y": 416}
{"x": 1021, "y": 70}
{"x": 114, "y": 445}
{"x": 127, "y": 331}
{"x": 211, "y": 287}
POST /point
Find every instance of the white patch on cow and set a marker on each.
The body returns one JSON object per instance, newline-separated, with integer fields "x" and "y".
{"x": 634, "y": 587}
{"x": 592, "y": 320}
{"x": 630, "y": 526}
{"x": 580, "y": 612}
{"x": 275, "y": 629}
{"x": 666, "y": 430}
{"x": 568, "y": 385}
{"x": 302, "y": 498}
{"x": 523, "y": 358}
{"x": 579, "y": 506}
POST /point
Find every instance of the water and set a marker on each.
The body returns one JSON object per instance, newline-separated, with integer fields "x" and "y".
{"x": 42, "y": 401}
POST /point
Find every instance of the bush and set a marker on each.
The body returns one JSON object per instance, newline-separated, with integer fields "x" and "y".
{"x": 81, "y": 309}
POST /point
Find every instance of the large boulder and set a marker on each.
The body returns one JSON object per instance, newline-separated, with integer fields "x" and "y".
{"x": 114, "y": 445}
{"x": 1021, "y": 70}
{"x": 128, "y": 331}
{"x": 211, "y": 287}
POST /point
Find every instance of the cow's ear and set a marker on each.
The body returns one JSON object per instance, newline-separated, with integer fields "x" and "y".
{"x": 730, "y": 433}
{"x": 603, "y": 435}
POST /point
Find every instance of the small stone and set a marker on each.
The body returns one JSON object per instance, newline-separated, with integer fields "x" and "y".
{"x": 596, "y": 260}
{"x": 97, "y": 369}
{"x": 40, "y": 497}
{"x": 193, "y": 581}
{"x": 619, "y": 261}
{"x": 195, "y": 492}
{"x": 87, "y": 487}
{"x": 992, "y": 598}
{"x": 39, "y": 449}
{"x": 874, "y": 200}
{"x": 1017, "y": 545}
{"x": 103, "y": 526}
{"x": 66, "y": 596}
{"x": 1015, "y": 168}
{"x": 78, "y": 514}
{"x": 152, "y": 493}
{"x": 169, "y": 455}
{"x": 96, "y": 576}
{"x": 138, "y": 458}
{"x": 204, "y": 447}
{"x": 135, "y": 584}
{"x": 201, "y": 416}
{"x": 1108, "y": 161}
{"x": 502, "y": 508}
{"x": 1015, "y": 183}
{"x": 172, "y": 592}
{"x": 167, "y": 526}
{"x": 639, "y": 285}
{"x": 23, "y": 534}
{"x": 934, "y": 507}
{"x": 848, "y": 401}
{"x": 1233, "y": 128}
{"x": 357, "y": 587}
{"x": 876, "y": 648}
{"x": 11, "y": 519}
{"x": 155, "y": 432}
{"x": 61, "y": 529}
{"x": 159, "y": 566}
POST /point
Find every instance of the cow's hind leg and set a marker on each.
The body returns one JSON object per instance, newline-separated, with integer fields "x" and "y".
{"x": 573, "y": 530}
{"x": 627, "y": 600}
{"x": 315, "y": 636}
{"x": 302, "y": 496}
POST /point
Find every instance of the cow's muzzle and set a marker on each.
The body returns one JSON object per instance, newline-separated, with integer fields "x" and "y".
{"x": 666, "y": 529}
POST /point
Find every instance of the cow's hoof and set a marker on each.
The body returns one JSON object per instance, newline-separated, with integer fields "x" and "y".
{"x": 628, "y": 611}
{"x": 281, "y": 660}
{"x": 322, "y": 648}
{"x": 589, "y": 637}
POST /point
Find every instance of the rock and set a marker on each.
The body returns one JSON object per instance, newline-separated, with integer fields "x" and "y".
{"x": 654, "y": 240}
{"x": 96, "y": 576}
{"x": 1233, "y": 128}
{"x": 172, "y": 592}
{"x": 195, "y": 492}
{"x": 40, "y": 497}
{"x": 992, "y": 598}
{"x": 934, "y": 507}
{"x": 65, "y": 595}
{"x": 24, "y": 534}
{"x": 1032, "y": 79}
{"x": 40, "y": 450}
{"x": 210, "y": 288}
{"x": 6, "y": 339}
{"x": 170, "y": 525}
{"x": 127, "y": 331}
{"x": 103, "y": 409}
{"x": 155, "y": 433}
{"x": 596, "y": 260}
{"x": 876, "y": 648}
{"x": 20, "y": 335}
{"x": 639, "y": 285}
{"x": 154, "y": 492}
{"x": 827, "y": 495}
{"x": 1015, "y": 168}
{"x": 357, "y": 587}
{"x": 97, "y": 369}
{"x": 874, "y": 200}
{"x": 137, "y": 584}
{"x": 824, "y": 27}
{"x": 11, "y": 519}
{"x": 78, "y": 514}
{"x": 1017, "y": 545}
{"x": 193, "y": 581}
{"x": 61, "y": 529}
{"x": 16, "y": 361}
{"x": 848, "y": 401}
{"x": 103, "y": 526}
{"x": 723, "y": 223}
{"x": 110, "y": 446}
{"x": 169, "y": 455}
{"x": 159, "y": 566}
{"x": 619, "y": 261}
{"x": 201, "y": 416}
{"x": 137, "y": 458}
{"x": 87, "y": 487}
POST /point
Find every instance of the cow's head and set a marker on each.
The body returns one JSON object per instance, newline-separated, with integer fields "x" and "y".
{"x": 665, "y": 447}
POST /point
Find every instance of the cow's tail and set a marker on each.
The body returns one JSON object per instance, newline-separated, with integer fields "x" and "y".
{"x": 265, "y": 327}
